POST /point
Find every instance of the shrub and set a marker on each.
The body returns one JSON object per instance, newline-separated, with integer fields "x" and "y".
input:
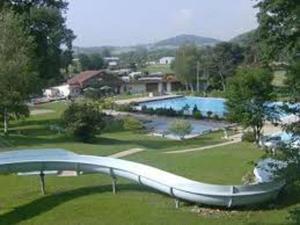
{"x": 180, "y": 128}
{"x": 113, "y": 125}
{"x": 108, "y": 104}
{"x": 123, "y": 107}
{"x": 83, "y": 121}
{"x": 209, "y": 114}
{"x": 197, "y": 115}
{"x": 248, "y": 178}
{"x": 132, "y": 124}
{"x": 195, "y": 109}
{"x": 248, "y": 136}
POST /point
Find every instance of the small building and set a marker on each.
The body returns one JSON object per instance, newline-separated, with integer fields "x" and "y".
{"x": 166, "y": 60}
{"x": 154, "y": 84}
{"x": 112, "y": 62}
{"x": 96, "y": 78}
{"x": 62, "y": 92}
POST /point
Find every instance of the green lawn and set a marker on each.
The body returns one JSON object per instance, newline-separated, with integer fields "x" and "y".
{"x": 88, "y": 200}
{"x": 158, "y": 68}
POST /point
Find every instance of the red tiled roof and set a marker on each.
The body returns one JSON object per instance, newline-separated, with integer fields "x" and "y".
{"x": 84, "y": 76}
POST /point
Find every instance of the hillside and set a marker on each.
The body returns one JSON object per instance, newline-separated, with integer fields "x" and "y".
{"x": 244, "y": 39}
{"x": 170, "y": 43}
{"x": 186, "y": 39}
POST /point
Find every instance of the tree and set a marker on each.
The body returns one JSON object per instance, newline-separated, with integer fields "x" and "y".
{"x": 180, "y": 128}
{"x": 185, "y": 65}
{"x": 53, "y": 40}
{"x": 83, "y": 120}
{"x": 96, "y": 61}
{"x": 17, "y": 78}
{"x": 84, "y": 61}
{"x": 293, "y": 80}
{"x": 226, "y": 57}
{"x": 91, "y": 62}
{"x": 278, "y": 29}
{"x": 247, "y": 94}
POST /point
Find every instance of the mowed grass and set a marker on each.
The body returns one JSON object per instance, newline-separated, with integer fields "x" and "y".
{"x": 88, "y": 199}
{"x": 158, "y": 68}
{"x": 223, "y": 165}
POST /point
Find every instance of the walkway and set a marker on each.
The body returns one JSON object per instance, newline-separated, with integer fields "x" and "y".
{"x": 233, "y": 140}
{"x": 127, "y": 153}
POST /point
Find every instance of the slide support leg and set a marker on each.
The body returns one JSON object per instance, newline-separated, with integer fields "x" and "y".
{"x": 42, "y": 182}
{"x": 177, "y": 203}
{"x": 114, "y": 185}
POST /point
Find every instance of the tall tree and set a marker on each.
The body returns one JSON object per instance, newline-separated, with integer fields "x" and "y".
{"x": 227, "y": 57}
{"x": 278, "y": 30}
{"x": 17, "y": 79}
{"x": 185, "y": 65}
{"x": 45, "y": 21}
{"x": 247, "y": 94}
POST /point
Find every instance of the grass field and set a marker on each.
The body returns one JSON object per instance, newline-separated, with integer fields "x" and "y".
{"x": 158, "y": 68}
{"x": 88, "y": 200}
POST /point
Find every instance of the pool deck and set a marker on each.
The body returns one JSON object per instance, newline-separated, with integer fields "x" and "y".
{"x": 146, "y": 99}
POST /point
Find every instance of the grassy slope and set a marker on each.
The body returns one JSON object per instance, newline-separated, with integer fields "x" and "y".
{"x": 88, "y": 199}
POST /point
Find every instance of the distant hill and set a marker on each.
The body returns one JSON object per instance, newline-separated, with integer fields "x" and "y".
{"x": 186, "y": 39}
{"x": 244, "y": 39}
{"x": 170, "y": 43}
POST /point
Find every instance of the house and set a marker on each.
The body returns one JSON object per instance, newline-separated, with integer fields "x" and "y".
{"x": 96, "y": 79}
{"x": 155, "y": 84}
{"x": 85, "y": 78}
{"x": 166, "y": 60}
{"x": 112, "y": 61}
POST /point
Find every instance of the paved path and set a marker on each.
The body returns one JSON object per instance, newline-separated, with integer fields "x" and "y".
{"x": 41, "y": 111}
{"x": 146, "y": 99}
{"x": 127, "y": 153}
{"x": 233, "y": 140}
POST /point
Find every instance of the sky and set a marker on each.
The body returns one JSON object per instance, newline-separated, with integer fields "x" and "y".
{"x": 131, "y": 22}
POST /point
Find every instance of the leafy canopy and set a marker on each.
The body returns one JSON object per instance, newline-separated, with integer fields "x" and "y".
{"x": 17, "y": 77}
{"x": 247, "y": 94}
{"x": 83, "y": 120}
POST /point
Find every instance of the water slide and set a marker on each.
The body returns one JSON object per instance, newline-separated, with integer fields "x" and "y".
{"x": 46, "y": 161}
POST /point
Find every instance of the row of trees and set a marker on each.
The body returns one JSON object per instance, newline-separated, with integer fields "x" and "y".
{"x": 207, "y": 68}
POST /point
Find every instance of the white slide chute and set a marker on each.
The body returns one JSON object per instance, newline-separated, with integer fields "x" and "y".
{"x": 48, "y": 160}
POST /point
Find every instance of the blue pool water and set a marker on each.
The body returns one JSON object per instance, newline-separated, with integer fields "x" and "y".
{"x": 204, "y": 105}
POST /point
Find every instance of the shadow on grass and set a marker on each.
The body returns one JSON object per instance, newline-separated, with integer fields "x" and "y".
{"x": 47, "y": 203}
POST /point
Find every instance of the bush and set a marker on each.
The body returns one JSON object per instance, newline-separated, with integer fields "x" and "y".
{"x": 181, "y": 128}
{"x": 108, "y": 104}
{"x": 123, "y": 107}
{"x": 132, "y": 124}
{"x": 197, "y": 115}
{"x": 248, "y": 136}
{"x": 113, "y": 125}
{"x": 83, "y": 121}
{"x": 209, "y": 114}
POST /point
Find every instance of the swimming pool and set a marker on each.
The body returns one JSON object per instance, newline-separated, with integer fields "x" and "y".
{"x": 204, "y": 105}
